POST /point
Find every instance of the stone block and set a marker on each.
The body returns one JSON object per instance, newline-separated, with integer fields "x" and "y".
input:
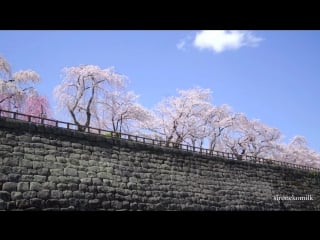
{"x": 78, "y": 194}
{"x": 5, "y": 196}
{"x": 13, "y": 177}
{"x": 86, "y": 180}
{"x": 70, "y": 172}
{"x": 73, "y": 186}
{"x": 83, "y": 187}
{"x": 43, "y": 171}
{"x": 50, "y": 158}
{"x": 3, "y": 177}
{"x": 27, "y": 178}
{"x": 56, "y": 172}
{"x": 37, "y": 165}
{"x": 82, "y": 174}
{"x": 64, "y": 203}
{"x": 67, "y": 194}
{"x": 23, "y": 186}
{"x": 62, "y": 186}
{"x": 49, "y": 185}
{"x": 89, "y": 195}
{"x": 9, "y": 186}
{"x": 39, "y": 178}
{"x": 96, "y": 181}
{"x": 43, "y": 194}
{"x": 53, "y": 179}
{"x": 29, "y": 194}
{"x": 92, "y": 189}
{"x": 106, "y": 204}
{"x": 104, "y": 175}
{"x": 52, "y": 203}
{"x": 94, "y": 203}
{"x": 35, "y": 186}
{"x": 23, "y": 203}
{"x": 2, "y": 205}
{"x": 10, "y": 161}
{"x": 26, "y": 163}
{"x": 57, "y": 194}
{"x": 37, "y": 203}
{"x": 16, "y": 195}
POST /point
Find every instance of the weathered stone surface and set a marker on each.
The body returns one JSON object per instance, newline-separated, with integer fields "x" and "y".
{"x": 73, "y": 186}
{"x": 104, "y": 175}
{"x": 86, "y": 180}
{"x": 13, "y": 177}
{"x": 5, "y": 196}
{"x": 78, "y": 194}
{"x": 23, "y": 203}
{"x": 35, "y": 186}
{"x": 56, "y": 172}
{"x": 43, "y": 194}
{"x": 16, "y": 195}
{"x": 10, "y": 161}
{"x": 44, "y": 168}
{"x": 29, "y": 194}
{"x": 27, "y": 178}
{"x": 70, "y": 208}
{"x": 67, "y": 194}
{"x": 82, "y": 174}
{"x": 5, "y": 148}
{"x": 53, "y": 203}
{"x": 37, "y": 203}
{"x": 62, "y": 186}
{"x": 96, "y": 181}
{"x": 44, "y": 171}
{"x": 49, "y": 185}
{"x": 2, "y": 205}
{"x": 3, "y": 177}
{"x": 54, "y": 179}
{"x": 39, "y": 178}
{"x": 26, "y": 163}
{"x": 37, "y": 165}
{"x": 83, "y": 187}
{"x": 56, "y": 194}
{"x": 50, "y": 158}
{"x": 23, "y": 186}
{"x": 70, "y": 172}
{"x": 9, "y": 186}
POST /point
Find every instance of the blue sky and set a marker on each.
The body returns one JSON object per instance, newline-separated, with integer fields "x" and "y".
{"x": 269, "y": 75}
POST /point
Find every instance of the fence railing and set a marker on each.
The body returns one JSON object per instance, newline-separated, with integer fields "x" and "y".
{"x": 145, "y": 140}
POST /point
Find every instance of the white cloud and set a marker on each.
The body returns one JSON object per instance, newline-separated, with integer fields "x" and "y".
{"x": 184, "y": 43}
{"x": 181, "y": 44}
{"x": 221, "y": 40}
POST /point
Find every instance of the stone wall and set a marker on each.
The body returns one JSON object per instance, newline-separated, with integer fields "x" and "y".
{"x": 48, "y": 168}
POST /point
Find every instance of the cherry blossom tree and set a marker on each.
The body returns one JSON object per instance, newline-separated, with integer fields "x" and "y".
{"x": 120, "y": 112}
{"x": 178, "y": 119}
{"x": 83, "y": 90}
{"x": 218, "y": 120}
{"x": 250, "y": 137}
{"x": 16, "y": 88}
{"x": 37, "y": 105}
{"x": 99, "y": 98}
{"x": 298, "y": 152}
